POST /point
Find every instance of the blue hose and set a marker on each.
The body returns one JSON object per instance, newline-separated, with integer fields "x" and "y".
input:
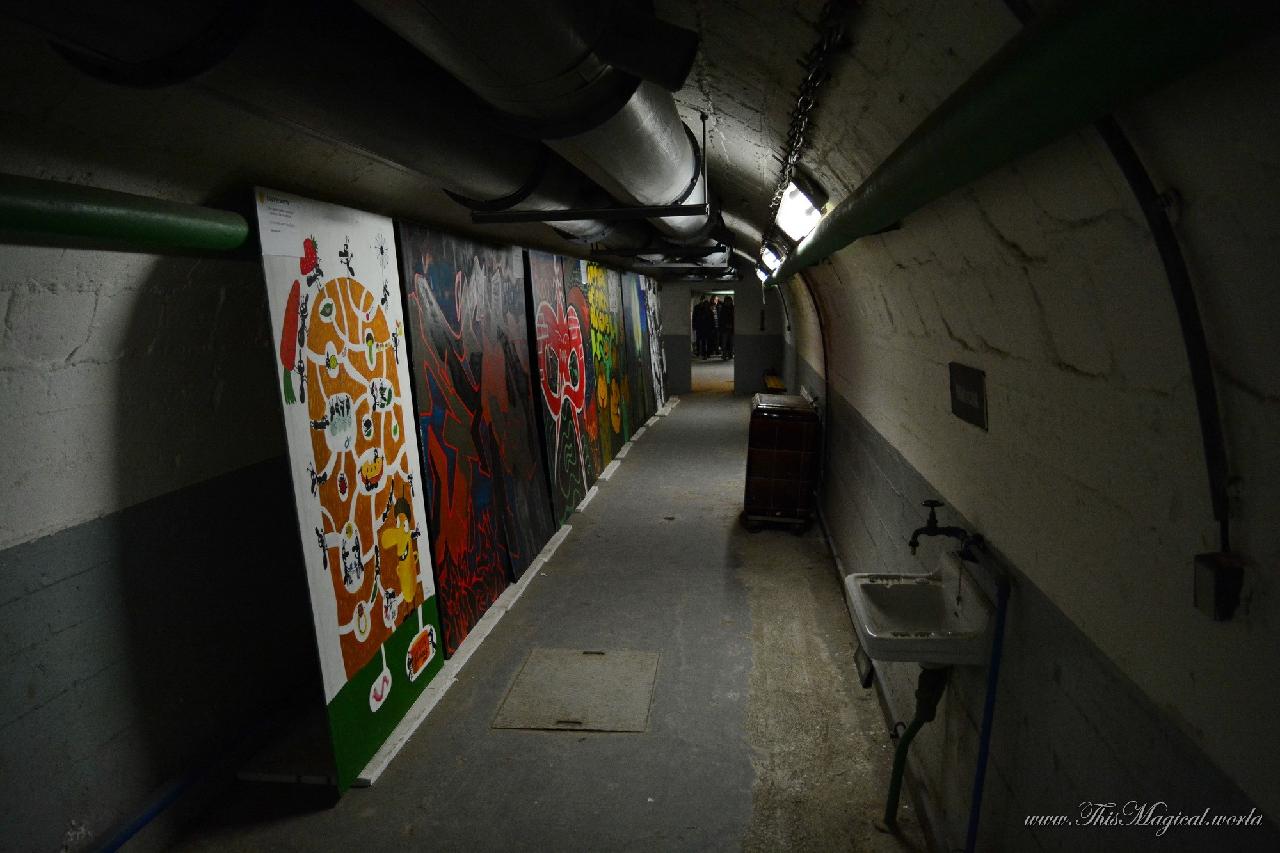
{"x": 223, "y": 759}
{"x": 988, "y": 713}
{"x": 168, "y": 798}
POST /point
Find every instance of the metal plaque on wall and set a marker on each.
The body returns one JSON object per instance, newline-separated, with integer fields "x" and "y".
{"x": 969, "y": 394}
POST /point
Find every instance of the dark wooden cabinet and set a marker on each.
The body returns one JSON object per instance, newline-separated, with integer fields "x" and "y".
{"x": 783, "y": 454}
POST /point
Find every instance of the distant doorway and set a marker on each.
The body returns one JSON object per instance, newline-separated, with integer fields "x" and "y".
{"x": 711, "y": 323}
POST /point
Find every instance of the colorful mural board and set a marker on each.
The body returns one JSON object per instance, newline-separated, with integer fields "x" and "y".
{"x": 657, "y": 358}
{"x": 338, "y": 322}
{"x": 562, "y": 333}
{"x": 609, "y": 355}
{"x": 482, "y": 462}
{"x": 576, "y": 293}
{"x": 636, "y": 335}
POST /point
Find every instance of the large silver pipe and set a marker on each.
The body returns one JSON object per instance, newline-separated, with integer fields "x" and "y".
{"x": 346, "y": 85}
{"x": 542, "y": 65}
{"x": 644, "y": 155}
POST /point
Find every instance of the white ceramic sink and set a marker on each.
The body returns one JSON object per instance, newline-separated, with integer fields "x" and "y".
{"x": 942, "y": 618}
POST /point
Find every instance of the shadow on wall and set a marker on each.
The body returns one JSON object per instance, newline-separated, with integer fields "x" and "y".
{"x": 210, "y": 577}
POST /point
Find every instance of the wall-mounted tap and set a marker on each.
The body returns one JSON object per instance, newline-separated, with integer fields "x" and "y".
{"x": 931, "y": 528}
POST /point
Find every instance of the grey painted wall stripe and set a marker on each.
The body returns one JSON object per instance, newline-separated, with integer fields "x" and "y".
{"x": 1069, "y": 725}
{"x": 135, "y": 646}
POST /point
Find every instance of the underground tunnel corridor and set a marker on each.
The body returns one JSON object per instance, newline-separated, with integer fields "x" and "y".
{"x": 349, "y": 370}
{"x": 758, "y": 736}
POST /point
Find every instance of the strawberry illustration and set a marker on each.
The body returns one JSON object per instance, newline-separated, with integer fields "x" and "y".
{"x": 310, "y": 259}
{"x": 309, "y": 263}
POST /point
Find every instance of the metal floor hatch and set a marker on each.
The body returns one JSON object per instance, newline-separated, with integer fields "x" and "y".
{"x": 577, "y": 690}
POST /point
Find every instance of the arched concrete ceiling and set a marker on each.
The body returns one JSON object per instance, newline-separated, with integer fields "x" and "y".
{"x": 745, "y": 79}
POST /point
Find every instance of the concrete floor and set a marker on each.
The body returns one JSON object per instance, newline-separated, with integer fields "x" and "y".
{"x": 759, "y": 736}
{"x": 713, "y": 375}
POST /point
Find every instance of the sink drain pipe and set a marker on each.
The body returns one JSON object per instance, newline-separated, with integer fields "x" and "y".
{"x": 929, "y": 690}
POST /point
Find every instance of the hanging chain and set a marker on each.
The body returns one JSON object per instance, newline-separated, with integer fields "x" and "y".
{"x": 816, "y": 63}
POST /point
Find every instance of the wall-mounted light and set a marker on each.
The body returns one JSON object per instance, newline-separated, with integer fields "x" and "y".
{"x": 797, "y": 214}
{"x": 771, "y": 257}
{"x": 762, "y": 274}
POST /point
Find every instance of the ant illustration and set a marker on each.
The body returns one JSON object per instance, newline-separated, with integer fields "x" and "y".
{"x": 324, "y": 550}
{"x": 380, "y": 391}
{"x": 316, "y": 480}
{"x": 300, "y": 368}
{"x": 391, "y": 501}
{"x": 352, "y": 568}
{"x": 346, "y": 257}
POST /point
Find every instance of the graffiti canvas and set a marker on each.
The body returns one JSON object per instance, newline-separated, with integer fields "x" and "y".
{"x": 657, "y": 360}
{"x": 562, "y": 347}
{"x": 338, "y": 323}
{"x": 636, "y": 335}
{"x": 576, "y": 293}
{"x": 608, "y": 352}
{"x": 486, "y": 486}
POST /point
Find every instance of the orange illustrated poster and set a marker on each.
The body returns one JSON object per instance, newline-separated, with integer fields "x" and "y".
{"x": 337, "y": 318}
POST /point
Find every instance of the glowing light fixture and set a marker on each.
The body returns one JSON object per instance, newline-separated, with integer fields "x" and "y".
{"x": 772, "y": 260}
{"x": 797, "y": 214}
{"x": 762, "y": 274}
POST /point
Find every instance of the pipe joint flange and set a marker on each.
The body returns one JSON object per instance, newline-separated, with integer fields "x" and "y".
{"x": 697, "y": 166}
{"x": 510, "y": 200}
{"x": 623, "y": 87}
{"x": 584, "y": 239}
{"x": 197, "y": 55}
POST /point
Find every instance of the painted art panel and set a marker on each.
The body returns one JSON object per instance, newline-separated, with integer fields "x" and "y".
{"x": 576, "y": 293}
{"x": 657, "y": 358}
{"x": 338, "y": 321}
{"x": 487, "y": 489}
{"x": 636, "y": 335}
{"x": 608, "y": 351}
{"x": 562, "y": 333}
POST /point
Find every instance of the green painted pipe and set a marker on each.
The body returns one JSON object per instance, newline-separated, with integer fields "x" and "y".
{"x": 1071, "y": 67}
{"x": 930, "y": 686}
{"x": 59, "y": 209}
{"x": 899, "y": 768}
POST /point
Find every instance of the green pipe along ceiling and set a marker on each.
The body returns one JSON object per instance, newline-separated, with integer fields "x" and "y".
{"x": 1071, "y": 67}
{"x": 52, "y": 208}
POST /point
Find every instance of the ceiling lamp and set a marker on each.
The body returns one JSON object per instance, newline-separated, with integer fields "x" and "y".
{"x": 797, "y": 214}
{"x": 771, "y": 258}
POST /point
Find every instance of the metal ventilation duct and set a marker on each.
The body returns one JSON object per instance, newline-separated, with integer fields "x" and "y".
{"x": 566, "y": 71}
{"x": 345, "y": 81}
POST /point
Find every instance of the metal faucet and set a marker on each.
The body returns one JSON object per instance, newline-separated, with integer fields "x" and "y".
{"x": 931, "y": 528}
